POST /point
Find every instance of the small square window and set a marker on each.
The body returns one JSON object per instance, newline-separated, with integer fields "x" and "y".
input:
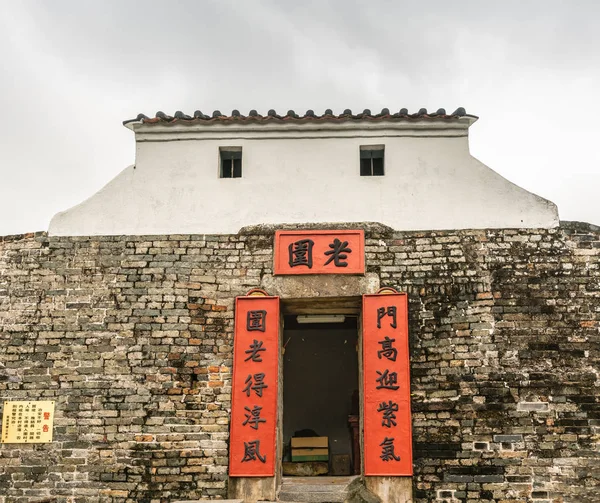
{"x": 230, "y": 162}
{"x": 371, "y": 160}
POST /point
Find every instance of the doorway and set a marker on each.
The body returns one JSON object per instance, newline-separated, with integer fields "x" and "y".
{"x": 320, "y": 392}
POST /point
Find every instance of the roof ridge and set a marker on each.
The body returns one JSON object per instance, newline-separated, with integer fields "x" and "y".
{"x": 291, "y": 116}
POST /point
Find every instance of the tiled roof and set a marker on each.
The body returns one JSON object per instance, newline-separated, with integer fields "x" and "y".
{"x": 291, "y": 116}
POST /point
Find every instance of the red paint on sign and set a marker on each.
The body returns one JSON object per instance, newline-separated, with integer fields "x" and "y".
{"x": 386, "y": 387}
{"x": 320, "y": 252}
{"x": 255, "y": 387}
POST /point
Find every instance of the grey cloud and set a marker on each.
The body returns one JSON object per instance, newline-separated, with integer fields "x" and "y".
{"x": 72, "y": 70}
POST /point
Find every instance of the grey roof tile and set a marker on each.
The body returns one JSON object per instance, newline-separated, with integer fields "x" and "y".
{"x": 291, "y": 116}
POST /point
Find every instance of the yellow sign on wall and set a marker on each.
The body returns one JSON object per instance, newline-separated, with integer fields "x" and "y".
{"x": 27, "y": 422}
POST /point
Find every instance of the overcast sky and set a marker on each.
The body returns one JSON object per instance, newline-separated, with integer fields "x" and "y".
{"x": 73, "y": 70}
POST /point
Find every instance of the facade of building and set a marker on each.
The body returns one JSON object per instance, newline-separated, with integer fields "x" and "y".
{"x": 253, "y": 280}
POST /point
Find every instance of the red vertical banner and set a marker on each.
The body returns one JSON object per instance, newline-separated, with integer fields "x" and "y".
{"x": 252, "y": 439}
{"x": 386, "y": 386}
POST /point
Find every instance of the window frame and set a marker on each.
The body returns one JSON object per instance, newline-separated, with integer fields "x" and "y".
{"x": 372, "y": 153}
{"x": 232, "y": 154}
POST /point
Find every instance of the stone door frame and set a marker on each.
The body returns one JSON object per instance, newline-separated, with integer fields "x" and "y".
{"x": 318, "y": 295}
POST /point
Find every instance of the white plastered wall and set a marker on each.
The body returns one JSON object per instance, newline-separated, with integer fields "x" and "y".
{"x": 300, "y": 174}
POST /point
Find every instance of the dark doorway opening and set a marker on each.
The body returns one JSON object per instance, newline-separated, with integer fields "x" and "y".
{"x": 320, "y": 385}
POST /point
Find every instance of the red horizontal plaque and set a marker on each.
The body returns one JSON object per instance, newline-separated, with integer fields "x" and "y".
{"x": 386, "y": 391}
{"x": 320, "y": 252}
{"x": 254, "y": 390}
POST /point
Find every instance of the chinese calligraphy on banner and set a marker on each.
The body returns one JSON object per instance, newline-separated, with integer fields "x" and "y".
{"x": 255, "y": 387}
{"x": 319, "y": 252}
{"x": 27, "y": 422}
{"x": 387, "y": 423}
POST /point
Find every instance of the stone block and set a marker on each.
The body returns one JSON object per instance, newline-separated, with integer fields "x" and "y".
{"x": 488, "y": 479}
{"x": 508, "y": 438}
{"x": 458, "y": 478}
{"x": 533, "y": 406}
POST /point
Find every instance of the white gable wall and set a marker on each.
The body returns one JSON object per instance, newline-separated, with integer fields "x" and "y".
{"x": 301, "y": 174}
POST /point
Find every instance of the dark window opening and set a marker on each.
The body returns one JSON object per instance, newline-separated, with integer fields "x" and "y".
{"x": 371, "y": 161}
{"x": 231, "y": 162}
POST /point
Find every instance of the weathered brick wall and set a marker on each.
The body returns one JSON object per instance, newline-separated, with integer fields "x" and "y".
{"x": 504, "y": 329}
{"x": 132, "y": 336}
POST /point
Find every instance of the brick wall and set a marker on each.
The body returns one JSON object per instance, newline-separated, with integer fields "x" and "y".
{"x": 132, "y": 336}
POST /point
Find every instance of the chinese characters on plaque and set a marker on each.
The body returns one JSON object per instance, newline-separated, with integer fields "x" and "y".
{"x": 255, "y": 387}
{"x": 387, "y": 423}
{"x": 27, "y": 422}
{"x": 319, "y": 252}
